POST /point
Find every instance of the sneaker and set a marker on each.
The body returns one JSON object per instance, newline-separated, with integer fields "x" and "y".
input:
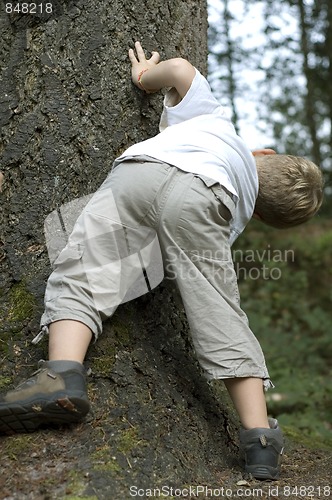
{"x": 55, "y": 394}
{"x": 263, "y": 449}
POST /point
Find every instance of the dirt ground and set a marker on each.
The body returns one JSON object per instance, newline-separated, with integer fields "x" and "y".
{"x": 93, "y": 461}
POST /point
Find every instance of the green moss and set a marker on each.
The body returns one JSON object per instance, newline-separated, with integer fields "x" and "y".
{"x": 310, "y": 441}
{"x": 101, "y": 453}
{"x": 4, "y": 382}
{"x": 75, "y": 497}
{"x": 14, "y": 446}
{"x": 110, "y": 344}
{"x": 103, "y": 366}
{"x": 104, "y": 461}
{"x": 121, "y": 333}
{"x": 128, "y": 440}
{"x": 21, "y": 303}
{"x": 110, "y": 465}
{"x": 76, "y": 486}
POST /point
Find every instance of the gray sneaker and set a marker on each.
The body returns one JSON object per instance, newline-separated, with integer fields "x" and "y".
{"x": 263, "y": 449}
{"x": 55, "y": 394}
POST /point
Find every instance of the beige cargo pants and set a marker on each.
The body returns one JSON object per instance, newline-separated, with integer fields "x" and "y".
{"x": 149, "y": 217}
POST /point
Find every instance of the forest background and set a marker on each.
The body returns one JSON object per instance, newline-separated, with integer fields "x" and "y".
{"x": 271, "y": 64}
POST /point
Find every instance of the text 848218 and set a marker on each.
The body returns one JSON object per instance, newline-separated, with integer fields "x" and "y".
{"x": 28, "y": 8}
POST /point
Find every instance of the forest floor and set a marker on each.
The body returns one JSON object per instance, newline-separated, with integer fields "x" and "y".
{"x": 156, "y": 428}
{"x": 91, "y": 461}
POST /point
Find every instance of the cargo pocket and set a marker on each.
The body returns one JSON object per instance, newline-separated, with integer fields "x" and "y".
{"x": 68, "y": 266}
{"x": 69, "y": 255}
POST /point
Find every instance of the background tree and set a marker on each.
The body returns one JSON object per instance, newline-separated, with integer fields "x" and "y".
{"x": 309, "y": 95}
{"x": 321, "y": 75}
{"x": 224, "y": 55}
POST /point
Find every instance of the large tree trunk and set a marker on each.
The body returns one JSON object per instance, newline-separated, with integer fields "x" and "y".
{"x": 68, "y": 108}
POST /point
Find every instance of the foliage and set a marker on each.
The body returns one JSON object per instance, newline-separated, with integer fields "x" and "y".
{"x": 289, "y": 309}
{"x": 277, "y": 78}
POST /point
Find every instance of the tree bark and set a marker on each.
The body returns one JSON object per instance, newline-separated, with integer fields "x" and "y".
{"x": 68, "y": 108}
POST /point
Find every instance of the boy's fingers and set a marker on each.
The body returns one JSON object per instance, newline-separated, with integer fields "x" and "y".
{"x": 140, "y": 57}
{"x": 132, "y": 56}
{"x": 155, "y": 57}
{"x": 140, "y": 52}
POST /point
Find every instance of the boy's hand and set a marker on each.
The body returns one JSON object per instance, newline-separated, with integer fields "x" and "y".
{"x": 140, "y": 64}
{"x": 151, "y": 75}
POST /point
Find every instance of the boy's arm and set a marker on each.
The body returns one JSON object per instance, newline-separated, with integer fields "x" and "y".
{"x": 152, "y": 75}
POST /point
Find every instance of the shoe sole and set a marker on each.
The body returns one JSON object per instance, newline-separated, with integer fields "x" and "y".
{"x": 29, "y": 415}
{"x": 263, "y": 472}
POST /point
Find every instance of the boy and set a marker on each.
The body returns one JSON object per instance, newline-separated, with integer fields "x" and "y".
{"x": 196, "y": 186}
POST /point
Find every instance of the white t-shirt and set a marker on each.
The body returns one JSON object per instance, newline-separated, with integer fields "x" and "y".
{"x": 197, "y": 136}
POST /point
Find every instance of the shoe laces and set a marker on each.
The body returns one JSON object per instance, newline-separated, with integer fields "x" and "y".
{"x": 32, "y": 379}
{"x": 263, "y": 440}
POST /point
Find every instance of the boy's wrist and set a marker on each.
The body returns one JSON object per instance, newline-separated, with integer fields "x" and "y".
{"x": 139, "y": 79}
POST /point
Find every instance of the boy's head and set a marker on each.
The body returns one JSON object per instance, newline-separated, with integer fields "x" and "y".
{"x": 290, "y": 190}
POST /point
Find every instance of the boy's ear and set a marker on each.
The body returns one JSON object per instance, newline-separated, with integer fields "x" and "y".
{"x": 260, "y": 152}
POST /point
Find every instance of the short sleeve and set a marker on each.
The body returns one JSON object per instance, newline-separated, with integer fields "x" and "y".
{"x": 198, "y": 101}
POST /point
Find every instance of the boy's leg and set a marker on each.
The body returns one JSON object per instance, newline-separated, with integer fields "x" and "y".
{"x": 260, "y": 438}
{"x": 248, "y": 398}
{"x": 194, "y": 232}
{"x": 69, "y": 340}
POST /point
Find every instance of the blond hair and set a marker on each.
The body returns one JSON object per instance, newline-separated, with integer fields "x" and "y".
{"x": 290, "y": 190}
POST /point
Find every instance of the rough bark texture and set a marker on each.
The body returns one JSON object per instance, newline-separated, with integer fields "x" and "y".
{"x": 68, "y": 108}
